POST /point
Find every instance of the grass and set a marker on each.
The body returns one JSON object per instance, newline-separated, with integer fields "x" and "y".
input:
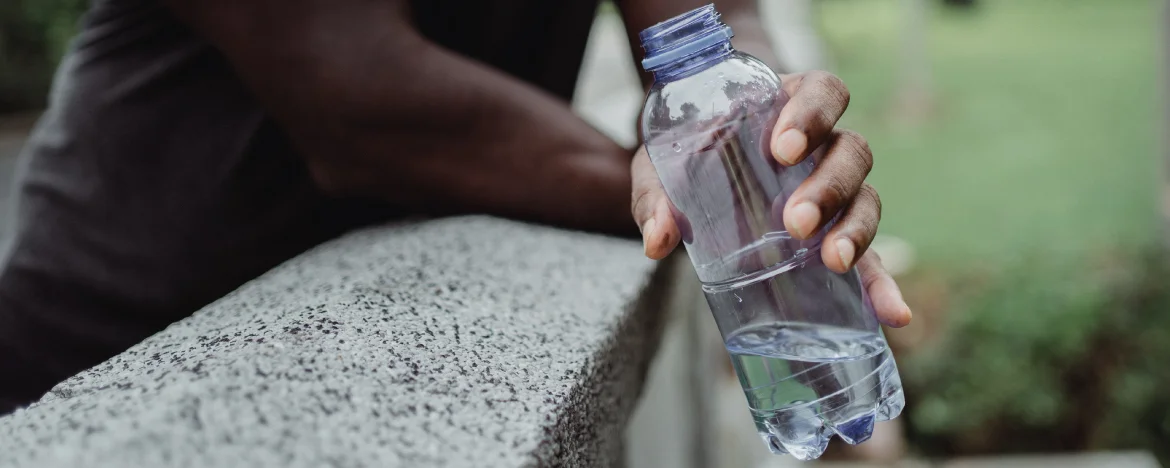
{"x": 1043, "y": 135}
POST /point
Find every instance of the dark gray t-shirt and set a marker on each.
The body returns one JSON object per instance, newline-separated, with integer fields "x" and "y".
{"x": 155, "y": 184}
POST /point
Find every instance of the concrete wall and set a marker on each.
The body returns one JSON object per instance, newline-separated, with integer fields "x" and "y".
{"x": 457, "y": 342}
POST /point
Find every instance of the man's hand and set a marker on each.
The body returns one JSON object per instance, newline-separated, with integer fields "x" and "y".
{"x": 836, "y": 186}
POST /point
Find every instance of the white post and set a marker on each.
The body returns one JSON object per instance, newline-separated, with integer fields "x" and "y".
{"x": 914, "y": 60}
{"x": 791, "y": 27}
{"x": 1165, "y": 140}
{"x": 915, "y": 95}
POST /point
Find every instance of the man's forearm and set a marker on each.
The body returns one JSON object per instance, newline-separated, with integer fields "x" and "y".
{"x": 453, "y": 135}
{"x": 381, "y": 112}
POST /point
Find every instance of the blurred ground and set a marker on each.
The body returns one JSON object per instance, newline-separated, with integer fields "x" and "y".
{"x": 1093, "y": 460}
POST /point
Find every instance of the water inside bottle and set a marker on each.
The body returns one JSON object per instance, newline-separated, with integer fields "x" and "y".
{"x": 806, "y": 382}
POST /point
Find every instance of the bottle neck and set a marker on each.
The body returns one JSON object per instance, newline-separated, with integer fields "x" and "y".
{"x": 685, "y": 44}
{"x": 693, "y": 64}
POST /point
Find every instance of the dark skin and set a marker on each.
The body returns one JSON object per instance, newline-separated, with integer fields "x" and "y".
{"x": 380, "y": 112}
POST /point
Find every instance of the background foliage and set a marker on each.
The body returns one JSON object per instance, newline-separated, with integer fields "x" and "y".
{"x": 1050, "y": 356}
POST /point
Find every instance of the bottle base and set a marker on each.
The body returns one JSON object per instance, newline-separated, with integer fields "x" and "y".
{"x": 804, "y": 431}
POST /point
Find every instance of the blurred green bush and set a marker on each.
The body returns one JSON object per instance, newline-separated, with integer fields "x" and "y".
{"x": 33, "y": 36}
{"x": 1050, "y": 355}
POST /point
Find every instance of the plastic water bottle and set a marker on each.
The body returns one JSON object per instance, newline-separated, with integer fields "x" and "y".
{"x": 804, "y": 340}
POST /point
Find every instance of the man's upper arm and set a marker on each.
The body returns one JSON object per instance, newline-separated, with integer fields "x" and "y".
{"x": 330, "y": 72}
{"x": 298, "y": 54}
{"x": 378, "y": 111}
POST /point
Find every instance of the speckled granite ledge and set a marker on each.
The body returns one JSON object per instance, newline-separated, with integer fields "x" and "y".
{"x": 458, "y": 342}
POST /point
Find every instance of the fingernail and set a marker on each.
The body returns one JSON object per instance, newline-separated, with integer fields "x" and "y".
{"x": 909, "y": 316}
{"x": 647, "y": 233}
{"x": 790, "y": 146}
{"x": 803, "y": 219}
{"x": 845, "y": 252}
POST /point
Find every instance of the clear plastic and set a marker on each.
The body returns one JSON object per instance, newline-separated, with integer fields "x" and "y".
{"x": 804, "y": 340}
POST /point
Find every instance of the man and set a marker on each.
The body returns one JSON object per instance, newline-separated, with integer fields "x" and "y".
{"x": 190, "y": 145}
